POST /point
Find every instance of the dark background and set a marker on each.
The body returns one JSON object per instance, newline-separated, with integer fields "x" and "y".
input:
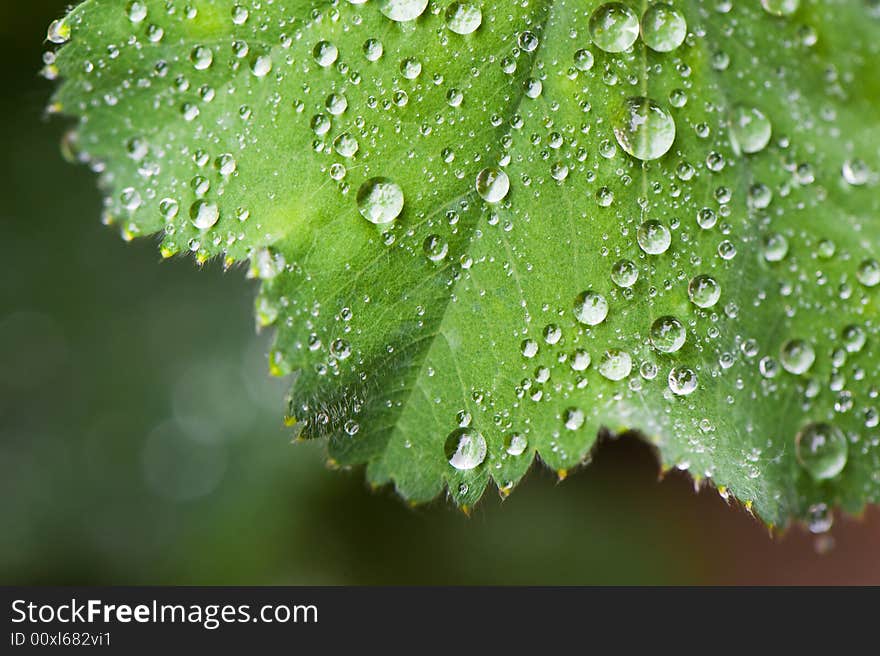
{"x": 141, "y": 437}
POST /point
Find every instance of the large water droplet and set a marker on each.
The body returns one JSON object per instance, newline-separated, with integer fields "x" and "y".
{"x": 515, "y": 444}
{"x": 822, "y": 450}
{"x": 682, "y": 381}
{"x": 380, "y": 200}
{"x": 58, "y": 32}
{"x": 590, "y": 308}
{"x": 704, "y": 291}
{"x": 663, "y": 27}
{"x": 463, "y": 17}
{"x": 654, "y": 238}
{"x": 668, "y": 334}
{"x": 868, "y": 273}
{"x": 797, "y": 356}
{"x": 644, "y": 129}
{"x": 465, "y": 448}
{"x": 615, "y": 364}
{"x": 204, "y": 214}
{"x": 402, "y": 10}
{"x": 614, "y": 27}
{"x": 492, "y": 185}
{"x": 750, "y": 129}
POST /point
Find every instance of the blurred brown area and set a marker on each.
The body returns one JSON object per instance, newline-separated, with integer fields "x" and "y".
{"x": 141, "y": 441}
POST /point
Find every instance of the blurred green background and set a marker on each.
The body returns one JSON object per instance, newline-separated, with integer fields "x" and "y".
{"x": 141, "y": 437}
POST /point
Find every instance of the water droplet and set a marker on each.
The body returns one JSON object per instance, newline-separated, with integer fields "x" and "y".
{"x": 137, "y": 11}
{"x": 855, "y": 172}
{"x": 345, "y": 145}
{"x": 590, "y": 308}
{"x": 529, "y": 348}
{"x": 775, "y": 247}
{"x": 240, "y": 15}
{"x": 580, "y": 360}
{"x": 201, "y": 57}
{"x": 380, "y": 200}
{"x": 797, "y": 356}
{"x": 325, "y": 53}
{"x": 668, "y": 334}
{"x": 463, "y": 17}
{"x": 663, "y": 27}
{"x": 854, "y": 338}
{"x": 573, "y": 418}
{"x": 750, "y": 130}
{"x": 704, "y": 291}
{"x": 615, "y": 364}
{"x": 261, "y": 65}
{"x": 614, "y": 27}
{"x": 654, "y": 238}
{"x": 58, "y": 32}
{"x": 373, "y": 49}
{"x": 204, "y": 214}
{"x": 402, "y": 10}
{"x": 624, "y": 273}
{"x": 868, "y": 273}
{"x": 822, "y": 450}
{"x": 435, "y": 248}
{"x": 465, "y": 449}
{"x": 780, "y": 7}
{"x": 682, "y": 381}
{"x": 583, "y": 60}
{"x": 644, "y": 129}
{"x": 515, "y": 444}
{"x": 492, "y": 185}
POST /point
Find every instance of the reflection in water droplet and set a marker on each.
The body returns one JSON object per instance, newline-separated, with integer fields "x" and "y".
{"x": 822, "y": 450}
{"x": 435, "y": 248}
{"x": 402, "y": 10}
{"x": 204, "y": 214}
{"x": 463, "y": 17}
{"x": 704, "y": 291}
{"x": 492, "y": 185}
{"x": 750, "y": 130}
{"x": 682, "y": 381}
{"x": 644, "y": 129}
{"x": 590, "y": 308}
{"x": 663, "y": 27}
{"x": 855, "y": 172}
{"x": 868, "y": 273}
{"x": 624, "y": 273}
{"x": 615, "y": 364}
{"x": 654, "y": 238}
{"x": 614, "y": 27}
{"x": 797, "y": 356}
{"x": 465, "y": 449}
{"x": 667, "y": 334}
{"x": 515, "y": 444}
{"x": 380, "y": 200}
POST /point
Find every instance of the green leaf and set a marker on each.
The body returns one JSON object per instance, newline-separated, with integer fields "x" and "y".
{"x": 719, "y": 187}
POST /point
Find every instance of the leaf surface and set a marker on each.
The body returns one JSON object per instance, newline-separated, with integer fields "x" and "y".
{"x": 569, "y": 214}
